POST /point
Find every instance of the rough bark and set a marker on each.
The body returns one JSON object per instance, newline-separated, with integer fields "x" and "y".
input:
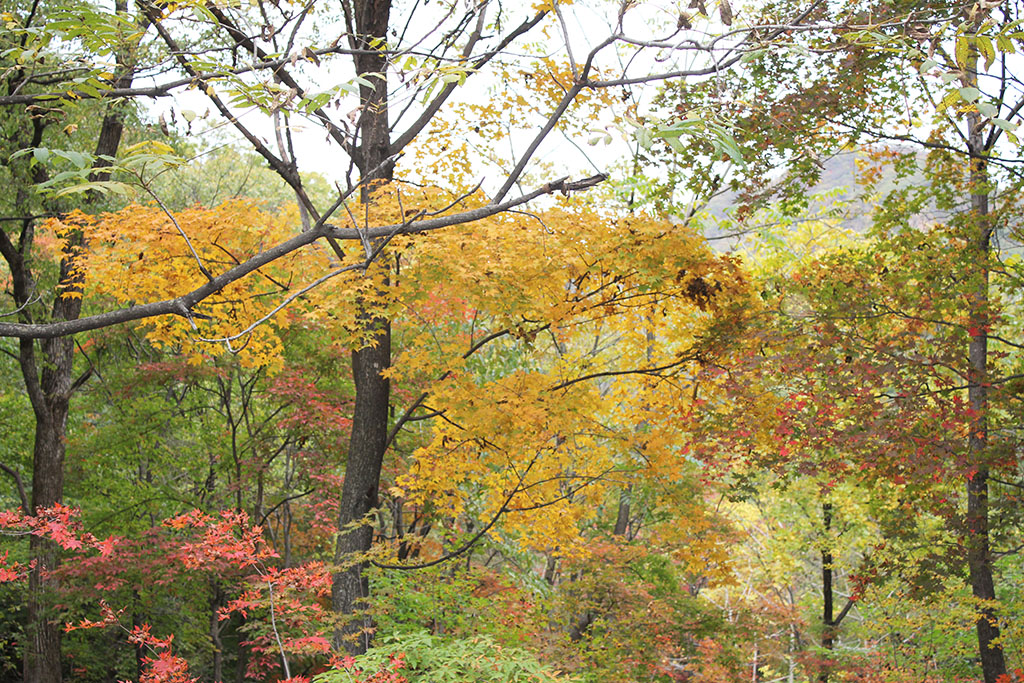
{"x": 979, "y": 556}
{"x": 359, "y": 495}
{"x": 359, "y": 491}
{"x": 50, "y": 391}
{"x": 216, "y": 626}
{"x": 625, "y": 509}
{"x": 42, "y": 654}
{"x": 827, "y": 615}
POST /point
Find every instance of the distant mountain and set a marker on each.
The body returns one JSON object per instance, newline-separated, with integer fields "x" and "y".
{"x": 837, "y": 186}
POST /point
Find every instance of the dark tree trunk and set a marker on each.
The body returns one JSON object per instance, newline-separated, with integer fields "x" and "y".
{"x": 216, "y": 626}
{"x": 42, "y": 652}
{"x": 49, "y": 392}
{"x": 827, "y": 615}
{"x": 622, "y": 519}
{"x": 979, "y": 556}
{"x": 359, "y": 495}
{"x": 830, "y": 621}
{"x": 137, "y": 622}
{"x": 359, "y": 491}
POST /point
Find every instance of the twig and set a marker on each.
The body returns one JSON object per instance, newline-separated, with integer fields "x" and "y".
{"x": 202, "y": 269}
{"x": 370, "y": 257}
{"x": 22, "y": 307}
{"x": 290, "y": 298}
{"x": 472, "y": 541}
{"x": 19, "y": 484}
{"x": 277, "y": 636}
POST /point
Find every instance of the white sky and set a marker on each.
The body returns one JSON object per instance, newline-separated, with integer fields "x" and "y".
{"x": 587, "y": 22}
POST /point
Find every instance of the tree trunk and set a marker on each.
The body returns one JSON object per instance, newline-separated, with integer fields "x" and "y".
{"x": 622, "y": 518}
{"x": 359, "y": 491}
{"x": 49, "y": 392}
{"x": 359, "y": 495}
{"x": 137, "y": 622}
{"x": 827, "y": 612}
{"x": 42, "y": 647}
{"x": 216, "y": 626}
{"x": 979, "y": 556}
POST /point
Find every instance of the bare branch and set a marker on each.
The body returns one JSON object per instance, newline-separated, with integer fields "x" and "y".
{"x": 428, "y": 114}
{"x": 19, "y": 485}
{"x": 283, "y": 169}
{"x": 370, "y": 258}
{"x": 202, "y": 268}
{"x": 471, "y": 542}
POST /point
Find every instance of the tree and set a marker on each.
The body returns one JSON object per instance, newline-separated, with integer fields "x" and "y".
{"x": 936, "y": 84}
{"x": 47, "y": 377}
{"x": 271, "y": 42}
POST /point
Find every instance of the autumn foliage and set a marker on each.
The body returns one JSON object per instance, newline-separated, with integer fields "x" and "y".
{"x": 453, "y": 410}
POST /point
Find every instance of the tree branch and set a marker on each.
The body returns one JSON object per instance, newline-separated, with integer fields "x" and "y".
{"x": 20, "y": 486}
{"x": 436, "y": 104}
{"x": 183, "y": 305}
{"x": 472, "y": 542}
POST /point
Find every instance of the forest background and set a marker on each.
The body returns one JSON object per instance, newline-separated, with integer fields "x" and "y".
{"x": 431, "y": 340}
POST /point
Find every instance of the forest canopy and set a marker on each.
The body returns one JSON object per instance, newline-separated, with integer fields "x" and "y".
{"x": 475, "y": 340}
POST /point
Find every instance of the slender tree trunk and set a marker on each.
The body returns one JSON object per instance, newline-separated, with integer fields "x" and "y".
{"x": 359, "y": 495}
{"x": 42, "y": 647}
{"x": 827, "y": 612}
{"x": 50, "y": 394}
{"x": 137, "y": 622}
{"x": 359, "y": 491}
{"x": 625, "y": 509}
{"x": 216, "y": 626}
{"x": 979, "y": 556}
{"x": 242, "y": 656}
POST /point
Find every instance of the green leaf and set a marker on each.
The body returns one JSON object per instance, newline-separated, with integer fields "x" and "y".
{"x": 430, "y": 91}
{"x": 970, "y": 94}
{"x": 732, "y": 149}
{"x": 1005, "y": 125}
{"x": 752, "y": 56}
{"x": 644, "y": 137}
{"x": 78, "y": 159}
{"x": 987, "y": 109}
{"x": 40, "y": 154}
{"x": 676, "y": 144}
{"x": 107, "y": 187}
{"x": 62, "y": 176}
